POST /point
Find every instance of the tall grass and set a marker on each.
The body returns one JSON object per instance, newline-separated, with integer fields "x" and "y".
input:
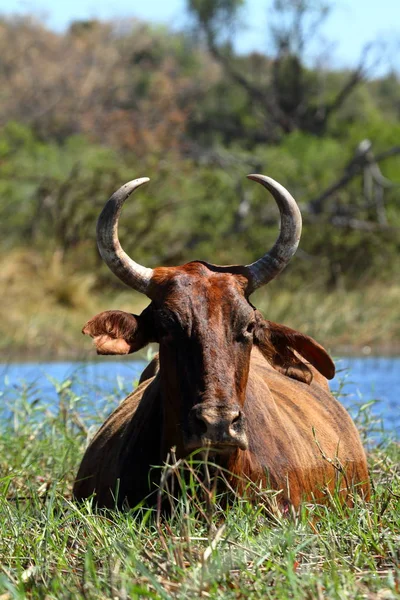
{"x": 47, "y": 301}
{"x": 361, "y": 319}
{"x": 52, "y": 548}
{"x": 45, "y": 305}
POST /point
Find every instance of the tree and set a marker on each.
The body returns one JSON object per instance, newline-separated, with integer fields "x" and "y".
{"x": 288, "y": 96}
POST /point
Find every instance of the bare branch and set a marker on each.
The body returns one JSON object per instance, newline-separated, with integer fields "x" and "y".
{"x": 353, "y": 168}
{"x": 351, "y": 223}
{"x": 256, "y": 94}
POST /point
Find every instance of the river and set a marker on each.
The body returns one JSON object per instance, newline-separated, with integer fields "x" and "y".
{"x": 360, "y": 381}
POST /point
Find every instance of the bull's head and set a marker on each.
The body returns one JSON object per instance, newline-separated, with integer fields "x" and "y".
{"x": 205, "y": 325}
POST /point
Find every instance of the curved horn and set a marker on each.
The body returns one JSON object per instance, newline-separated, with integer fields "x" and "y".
{"x": 126, "y": 269}
{"x": 273, "y": 262}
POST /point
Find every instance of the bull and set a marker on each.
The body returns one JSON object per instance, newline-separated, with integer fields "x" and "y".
{"x": 253, "y": 392}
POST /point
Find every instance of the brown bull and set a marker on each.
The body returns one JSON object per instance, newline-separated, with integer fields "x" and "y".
{"x": 252, "y": 391}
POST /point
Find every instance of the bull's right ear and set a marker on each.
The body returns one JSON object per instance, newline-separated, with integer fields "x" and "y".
{"x": 118, "y": 332}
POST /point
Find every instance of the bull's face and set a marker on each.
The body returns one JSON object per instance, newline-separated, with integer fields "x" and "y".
{"x": 201, "y": 317}
{"x": 205, "y": 328}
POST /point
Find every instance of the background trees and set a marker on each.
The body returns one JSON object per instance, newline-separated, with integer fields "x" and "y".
{"x": 86, "y": 110}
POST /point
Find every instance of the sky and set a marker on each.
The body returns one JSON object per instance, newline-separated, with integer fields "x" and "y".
{"x": 350, "y": 26}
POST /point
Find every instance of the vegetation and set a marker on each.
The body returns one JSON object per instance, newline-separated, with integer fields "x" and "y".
{"x": 86, "y": 110}
{"x": 48, "y": 302}
{"x": 53, "y": 548}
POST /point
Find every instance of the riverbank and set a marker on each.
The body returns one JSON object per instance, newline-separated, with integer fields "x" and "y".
{"x": 49, "y": 546}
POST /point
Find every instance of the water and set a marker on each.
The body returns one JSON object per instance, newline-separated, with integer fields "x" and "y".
{"x": 359, "y": 380}
{"x": 366, "y": 379}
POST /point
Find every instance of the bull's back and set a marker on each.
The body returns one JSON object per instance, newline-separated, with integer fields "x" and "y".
{"x": 301, "y": 435}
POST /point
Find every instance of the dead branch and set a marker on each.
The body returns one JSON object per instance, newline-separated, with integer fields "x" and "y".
{"x": 354, "y": 168}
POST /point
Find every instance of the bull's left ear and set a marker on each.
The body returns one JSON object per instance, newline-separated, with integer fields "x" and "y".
{"x": 118, "y": 332}
{"x": 278, "y": 343}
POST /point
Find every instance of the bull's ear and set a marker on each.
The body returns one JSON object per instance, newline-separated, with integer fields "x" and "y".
{"x": 279, "y": 344}
{"x": 118, "y": 332}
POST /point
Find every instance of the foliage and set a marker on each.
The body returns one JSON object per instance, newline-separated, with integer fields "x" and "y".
{"x": 105, "y": 102}
{"x": 81, "y": 113}
{"x": 55, "y": 193}
{"x": 52, "y": 547}
{"x": 280, "y": 89}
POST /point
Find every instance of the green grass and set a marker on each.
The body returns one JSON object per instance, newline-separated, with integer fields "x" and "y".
{"x": 52, "y": 548}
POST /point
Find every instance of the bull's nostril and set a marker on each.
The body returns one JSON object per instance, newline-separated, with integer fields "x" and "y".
{"x": 236, "y": 418}
{"x": 201, "y": 425}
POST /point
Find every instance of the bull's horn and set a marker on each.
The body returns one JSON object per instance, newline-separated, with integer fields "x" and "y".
{"x": 273, "y": 262}
{"x": 126, "y": 269}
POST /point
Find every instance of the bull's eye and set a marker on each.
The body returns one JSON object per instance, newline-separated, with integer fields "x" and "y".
{"x": 166, "y": 337}
{"x": 168, "y": 326}
{"x": 247, "y": 332}
{"x": 250, "y": 327}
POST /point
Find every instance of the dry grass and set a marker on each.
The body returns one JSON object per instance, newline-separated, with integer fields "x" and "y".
{"x": 46, "y": 302}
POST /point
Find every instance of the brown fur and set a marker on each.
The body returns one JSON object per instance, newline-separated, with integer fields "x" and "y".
{"x": 218, "y": 353}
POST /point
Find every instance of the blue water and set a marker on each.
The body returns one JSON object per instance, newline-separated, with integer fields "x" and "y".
{"x": 359, "y": 380}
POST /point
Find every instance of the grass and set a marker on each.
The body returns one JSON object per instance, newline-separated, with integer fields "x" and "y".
{"x": 46, "y": 305}
{"x": 48, "y": 301}
{"x": 52, "y": 548}
{"x": 361, "y": 320}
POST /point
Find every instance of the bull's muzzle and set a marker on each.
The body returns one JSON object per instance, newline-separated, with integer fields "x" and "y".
{"x": 218, "y": 426}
